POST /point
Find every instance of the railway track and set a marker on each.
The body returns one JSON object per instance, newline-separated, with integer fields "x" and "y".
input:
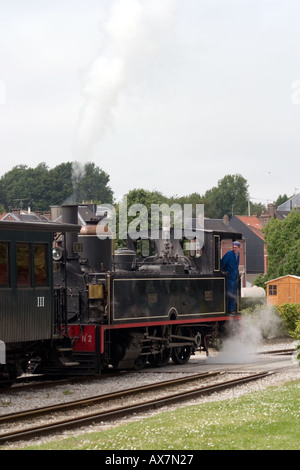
{"x": 52, "y": 419}
{"x": 36, "y": 381}
{"x": 288, "y": 352}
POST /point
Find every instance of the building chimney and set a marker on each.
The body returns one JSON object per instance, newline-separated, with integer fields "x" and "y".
{"x": 271, "y": 210}
{"x": 226, "y": 220}
{"x": 56, "y": 212}
{"x": 264, "y": 218}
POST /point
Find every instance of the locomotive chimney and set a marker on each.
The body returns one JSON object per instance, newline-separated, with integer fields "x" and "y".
{"x": 70, "y": 216}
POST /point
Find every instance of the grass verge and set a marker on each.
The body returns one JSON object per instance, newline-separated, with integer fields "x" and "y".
{"x": 265, "y": 420}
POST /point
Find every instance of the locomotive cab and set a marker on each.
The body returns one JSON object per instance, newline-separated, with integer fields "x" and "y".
{"x": 201, "y": 254}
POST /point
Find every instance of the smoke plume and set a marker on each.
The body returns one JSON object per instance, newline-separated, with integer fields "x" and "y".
{"x": 135, "y": 37}
{"x": 244, "y": 338}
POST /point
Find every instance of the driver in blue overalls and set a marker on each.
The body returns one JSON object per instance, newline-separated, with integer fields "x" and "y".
{"x": 230, "y": 264}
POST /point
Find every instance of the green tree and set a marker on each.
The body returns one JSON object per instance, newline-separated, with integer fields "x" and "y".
{"x": 145, "y": 197}
{"x": 15, "y": 188}
{"x": 229, "y": 197}
{"x": 60, "y": 183}
{"x": 41, "y": 188}
{"x": 257, "y": 208}
{"x": 37, "y": 183}
{"x": 194, "y": 199}
{"x": 137, "y": 206}
{"x": 93, "y": 185}
{"x": 282, "y": 238}
{"x": 281, "y": 199}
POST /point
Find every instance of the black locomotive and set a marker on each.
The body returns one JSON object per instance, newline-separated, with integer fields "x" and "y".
{"x": 70, "y": 305}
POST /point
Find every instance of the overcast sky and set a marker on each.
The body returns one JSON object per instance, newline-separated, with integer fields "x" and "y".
{"x": 167, "y": 95}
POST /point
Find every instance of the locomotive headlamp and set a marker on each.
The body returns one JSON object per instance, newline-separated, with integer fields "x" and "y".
{"x": 57, "y": 253}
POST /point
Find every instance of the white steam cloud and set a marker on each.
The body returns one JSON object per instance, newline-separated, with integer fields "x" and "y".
{"x": 245, "y": 336}
{"x": 135, "y": 38}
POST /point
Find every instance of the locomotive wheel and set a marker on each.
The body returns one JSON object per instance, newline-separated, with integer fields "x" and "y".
{"x": 162, "y": 358}
{"x": 182, "y": 354}
{"x": 9, "y": 376}
{"x": 140, "y": 362}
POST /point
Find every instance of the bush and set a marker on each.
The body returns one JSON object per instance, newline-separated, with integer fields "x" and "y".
{"x": 297, "y": 336}
{"x": 297, "y": 330}
{"x": 290, "y": 314}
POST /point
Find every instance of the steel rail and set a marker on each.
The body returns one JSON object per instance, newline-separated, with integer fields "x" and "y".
{"x": 30, "y": 413}
{"x": 280, "y": 352}
{"x": 125, "y": 410}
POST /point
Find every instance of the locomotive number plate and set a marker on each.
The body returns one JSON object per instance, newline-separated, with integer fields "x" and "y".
{"x": 208, "y": 295}
{"x": 152, "y": 298}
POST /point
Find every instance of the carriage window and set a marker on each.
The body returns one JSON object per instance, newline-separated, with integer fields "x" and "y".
{"x": 4, "y": 265}
{"x": 40, "y": 265}
{"x": 23, "y": 265}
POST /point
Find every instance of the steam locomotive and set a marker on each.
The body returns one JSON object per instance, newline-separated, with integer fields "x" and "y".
{"x": 71, "y": 305}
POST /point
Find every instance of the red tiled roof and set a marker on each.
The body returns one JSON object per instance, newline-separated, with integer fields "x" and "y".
{"x": 252, "y": 222}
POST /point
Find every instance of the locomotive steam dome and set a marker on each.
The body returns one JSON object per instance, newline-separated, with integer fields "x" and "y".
{"x": 124, "y": 259}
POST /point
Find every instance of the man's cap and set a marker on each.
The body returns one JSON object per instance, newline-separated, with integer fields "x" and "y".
{"x": 236, "y": 244}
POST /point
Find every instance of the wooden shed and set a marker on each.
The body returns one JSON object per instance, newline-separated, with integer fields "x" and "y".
{"x": 285, "y": 289}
